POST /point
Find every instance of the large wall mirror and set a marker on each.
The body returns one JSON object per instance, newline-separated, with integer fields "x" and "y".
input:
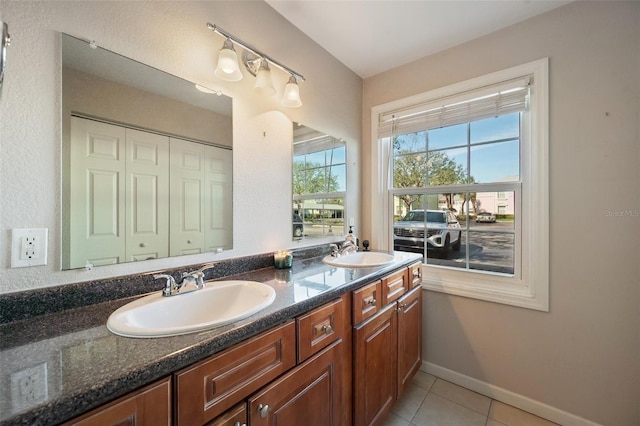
{"x": 319, "y": 183}
{"x": 146, "y": 161}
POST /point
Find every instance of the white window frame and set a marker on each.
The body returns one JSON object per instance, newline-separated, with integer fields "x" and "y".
{"x": 326, "y": 195}
{"x": 530, "y": 288}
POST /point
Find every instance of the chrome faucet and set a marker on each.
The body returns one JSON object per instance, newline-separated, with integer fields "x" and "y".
{"x": 347, "y": 248}
{"x": 194, "y": 280}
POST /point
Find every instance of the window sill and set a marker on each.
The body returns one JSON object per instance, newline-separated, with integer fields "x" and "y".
{"x": 487, "y": 287}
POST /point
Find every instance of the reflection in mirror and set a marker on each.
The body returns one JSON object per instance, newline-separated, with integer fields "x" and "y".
{"x": 147, "y": 161}
{"x": 319, "y": 184}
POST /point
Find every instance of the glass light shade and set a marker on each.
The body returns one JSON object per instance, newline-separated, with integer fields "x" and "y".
{"x": 291, "y": 97}
{"x": 264, "y": 84}
{"x": 228, "y": 68}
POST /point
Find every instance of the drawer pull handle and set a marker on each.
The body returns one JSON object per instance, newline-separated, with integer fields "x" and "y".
{"x": 327, "y": 329}
{"x": 263, "y": 410}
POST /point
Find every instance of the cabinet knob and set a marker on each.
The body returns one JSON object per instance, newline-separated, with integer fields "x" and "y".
{"x": 188, "y": 241}
{"x": 238, "y": 424}
{"x": 327, "y": 329}
{"x": 263, "y": 410}
{"x": 371, "y": 302}
{"x": 143, "y": 244}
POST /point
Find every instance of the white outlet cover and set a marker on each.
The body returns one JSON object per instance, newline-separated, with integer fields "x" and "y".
{"x": 41, "y": 235}
{"x": 29, "y": 387}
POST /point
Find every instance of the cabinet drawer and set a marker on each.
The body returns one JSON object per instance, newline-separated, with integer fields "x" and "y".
{"x": 394, "y": 286}
{"x": 415, "y": 275}
{"x": 211, "y": 387}
{"x": 237, "y": 416}
{"x": 366, "y": 301}
{"x": 320, "y": 327}
{"x": 149, "y": 406}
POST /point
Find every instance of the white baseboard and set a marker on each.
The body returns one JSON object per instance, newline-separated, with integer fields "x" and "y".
{"x": 503, "y": 395}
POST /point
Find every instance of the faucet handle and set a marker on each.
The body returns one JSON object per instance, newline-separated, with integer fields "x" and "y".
{"x": 198, "y": 275}
{"x": 205, "y": 267}
{"x": 169, "y": 285}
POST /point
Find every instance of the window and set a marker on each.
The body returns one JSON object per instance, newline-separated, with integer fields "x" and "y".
{"x": 465, "y": 181}
{"x": 319, "y": 184}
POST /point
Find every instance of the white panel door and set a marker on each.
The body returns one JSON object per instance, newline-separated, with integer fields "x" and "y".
{"x": 187, "y": 190}
{"x": 218, "y": 199}
{"x": 97, "y": 193}
{"x": 147, "y": 204}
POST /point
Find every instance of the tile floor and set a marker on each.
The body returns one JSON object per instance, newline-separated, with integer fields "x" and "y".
{"x": 430, "y": 401}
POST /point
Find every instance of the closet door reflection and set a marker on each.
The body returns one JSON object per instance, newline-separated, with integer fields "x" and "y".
{"x": 138, "y": 195}
{"x": 119, "y": 194}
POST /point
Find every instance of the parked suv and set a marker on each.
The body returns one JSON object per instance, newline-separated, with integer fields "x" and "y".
{"x": 442, "y": 231}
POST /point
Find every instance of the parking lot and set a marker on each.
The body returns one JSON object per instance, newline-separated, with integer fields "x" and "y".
{"x": 490, "y": 248}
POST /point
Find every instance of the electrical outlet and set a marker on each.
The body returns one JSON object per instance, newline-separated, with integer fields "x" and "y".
{"x": 29, "y": 387}
{"x": 28, "y": 247}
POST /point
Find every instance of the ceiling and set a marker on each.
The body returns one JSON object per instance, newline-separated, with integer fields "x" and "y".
{"x": 373, "y": 36}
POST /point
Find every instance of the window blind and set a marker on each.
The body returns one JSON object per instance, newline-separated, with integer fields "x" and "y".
{"x": 320, "y": 143}
{"x": 486, "y": 102}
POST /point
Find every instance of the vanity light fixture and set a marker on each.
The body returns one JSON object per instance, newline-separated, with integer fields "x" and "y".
{"x": 259, "y": 65}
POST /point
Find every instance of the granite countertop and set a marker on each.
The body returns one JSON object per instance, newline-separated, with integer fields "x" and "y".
{"x": 81, "y": 365}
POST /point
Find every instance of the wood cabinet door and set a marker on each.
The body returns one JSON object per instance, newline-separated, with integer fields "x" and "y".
{"x": 308, "y": 395}
{"x": 409, "y": 337}
{"x": 375, "y": 366}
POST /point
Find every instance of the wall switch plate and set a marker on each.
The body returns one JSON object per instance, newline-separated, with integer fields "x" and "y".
{"x": 29, "y": 247}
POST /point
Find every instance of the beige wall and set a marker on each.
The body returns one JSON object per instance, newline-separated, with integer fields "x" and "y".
{"x": 173, "y": 37}
{"x": 96, "y": 97}
{"x": 583, "y": 357}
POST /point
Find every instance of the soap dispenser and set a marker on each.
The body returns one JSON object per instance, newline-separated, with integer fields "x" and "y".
{"x": 351, "y": 236}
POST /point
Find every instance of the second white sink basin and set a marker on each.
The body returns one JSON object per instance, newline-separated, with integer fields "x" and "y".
{"x": 218, "y": 304}
{"x": 361, "y": 259}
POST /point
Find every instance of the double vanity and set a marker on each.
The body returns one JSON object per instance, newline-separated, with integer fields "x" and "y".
{"x": 334, "y": 345}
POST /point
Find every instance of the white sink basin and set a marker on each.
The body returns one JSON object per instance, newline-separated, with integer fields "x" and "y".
{"x": 218, "y": 304}
{"x": 362, "y": 259}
